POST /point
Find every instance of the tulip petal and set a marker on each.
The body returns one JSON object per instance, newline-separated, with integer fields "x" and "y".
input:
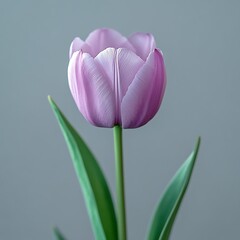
{"x": 106, "y": 60}
{"x": 73, "y": 82}
{"x": 103, "y": 38}
{"x": 121, "y": 66}
{"x": 128, "y": 66}
{"x": 77, "y": 45}
{"x": 144, "y": 43}
{"x": 91, "y": 90}
{"x": 144, "y": 95}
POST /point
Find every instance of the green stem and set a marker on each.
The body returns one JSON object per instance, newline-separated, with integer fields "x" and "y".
{"x": 121, "y": 212}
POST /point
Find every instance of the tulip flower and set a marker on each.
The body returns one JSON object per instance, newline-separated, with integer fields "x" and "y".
{"x": 116, "y": 80}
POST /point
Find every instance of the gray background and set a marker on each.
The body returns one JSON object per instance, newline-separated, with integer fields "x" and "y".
{"x": 38, "y": 186}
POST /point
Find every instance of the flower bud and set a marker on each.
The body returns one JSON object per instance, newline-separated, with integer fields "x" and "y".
{"x": 116, "y": 80}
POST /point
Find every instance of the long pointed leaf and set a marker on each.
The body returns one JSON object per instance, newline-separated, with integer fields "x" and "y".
{"x": 58, "y": 234}
{"x": 94, "y": 186}
{"x": 169, "y": 204}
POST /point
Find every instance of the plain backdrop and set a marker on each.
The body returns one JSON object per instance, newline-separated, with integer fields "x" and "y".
{"x": 38, "y": 187}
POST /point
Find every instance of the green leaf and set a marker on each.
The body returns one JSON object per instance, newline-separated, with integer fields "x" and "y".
{"x": 169, "y": 204}
{"x": 58, "y": 234}
{"x": 94, "y": 186}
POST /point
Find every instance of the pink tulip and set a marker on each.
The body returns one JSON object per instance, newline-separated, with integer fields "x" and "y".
{"x": 116, "y": 80}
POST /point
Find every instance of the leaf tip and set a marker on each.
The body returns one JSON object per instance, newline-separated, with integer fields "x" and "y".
{"x": 55, "y": 229}
{"x": 52, "y": 103}
{"x": 58, "y": 234}
{"x": 198, "y": 143}
{"x": 50, "y": 100}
